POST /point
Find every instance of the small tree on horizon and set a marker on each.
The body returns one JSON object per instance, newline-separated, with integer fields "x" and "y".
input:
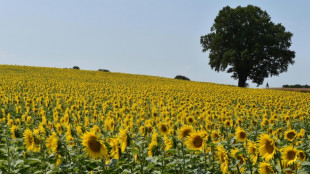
{"x": 104, "y": 70}
{"x": 249, "y": 44}
{"x": 76, "y": 67}
{"x": 181, "y": 77}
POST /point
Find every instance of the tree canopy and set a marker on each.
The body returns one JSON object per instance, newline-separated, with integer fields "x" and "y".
{"x": 181, "y": 77}
{"x": 248, "y": 44}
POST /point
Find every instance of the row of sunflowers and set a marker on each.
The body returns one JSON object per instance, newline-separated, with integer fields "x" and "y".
{"x": 73, "y": 121}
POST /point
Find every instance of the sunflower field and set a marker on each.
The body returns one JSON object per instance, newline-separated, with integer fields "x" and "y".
{"x": 75, "y": 121}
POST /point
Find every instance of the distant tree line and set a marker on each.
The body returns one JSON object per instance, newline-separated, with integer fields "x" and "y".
{"x": 77, "y": 67}
{"x": 296, "y": 86}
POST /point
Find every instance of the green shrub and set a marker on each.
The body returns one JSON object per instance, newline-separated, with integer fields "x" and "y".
{"x": 181, "y": 77}
{"x": 76, "y": 67}
{"x": 103, "y": 70}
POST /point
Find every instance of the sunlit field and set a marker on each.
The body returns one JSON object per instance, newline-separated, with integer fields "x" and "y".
{"x": 75, "y": 121}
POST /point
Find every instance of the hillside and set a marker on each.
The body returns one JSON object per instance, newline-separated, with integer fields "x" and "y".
{"x": 66, "y": 120}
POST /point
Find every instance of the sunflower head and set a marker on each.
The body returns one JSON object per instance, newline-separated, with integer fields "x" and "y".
{"x": 290, "y": 135}
{"x": 190, "y": 119}
{"x": 228, "y": 123}
{"x": 93, "y": 147}
{"x": 195, "y": 141}
{"x": 184, "y": 131}
{"x": 223, "y": 158}
{"x": 15, "y": 131}
{"x": 115, "y": 148}
{"x": 240, "y": 134}
{"x": 267, "y": 147}
{"x": 265, "y": 168}
{"x": 123, "y": 139}
{"x": 289, "y": 155}
{"x": 36, "y": 145}
{"x": 168, "y": 143}
{"x": 52, "y": 142}
{"x": 28, "y": 139}
{"x": 239, "y": 157}
{"x": 301, "y": 155}
{"x": 301, "y": 133}
{"x": 163, "y": 128}
{"x": 252, "y": 151}
{"x": 58, "y": 161}
{"x": 215, "y": 136}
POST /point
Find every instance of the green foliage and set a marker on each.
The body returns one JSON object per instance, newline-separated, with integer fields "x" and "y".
{"x": 249, "y": 44}
{"x": 76, "y": 67}
{"x": 103, "y": 70}
{"x": 181, "y": 77}
{"x": 296, "y": 86}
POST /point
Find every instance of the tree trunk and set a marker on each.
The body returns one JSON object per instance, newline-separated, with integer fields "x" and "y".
{"x": 242, "y": 80}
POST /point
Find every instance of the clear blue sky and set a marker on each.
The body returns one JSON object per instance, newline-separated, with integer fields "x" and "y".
{"x": 152, "y": 37}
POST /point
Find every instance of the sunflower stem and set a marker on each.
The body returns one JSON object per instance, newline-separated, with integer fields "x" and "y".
{"x": 163, "y": 163}
{"x": 250, "y": 165}
{"x": 103, "y": 165}
{"x": 280, "y": 164}
{"x": 213, "y": 158}
{"x": 238, "y": 169}
{"x": 43, "y": 157}
{"x": 141, "y": 162}
{"x": 68, "y": 157}
{"x": 205, "y": 160}
{"x": 183, "y": 157}
{"x": 8, "y": 151}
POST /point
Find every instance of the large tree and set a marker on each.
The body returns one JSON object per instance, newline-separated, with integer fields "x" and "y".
{"x": 249, "y": 44}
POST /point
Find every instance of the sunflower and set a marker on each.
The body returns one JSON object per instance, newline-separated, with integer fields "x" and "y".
{"x": 215, "y": 136}
{"x": 301, "y": 133}
{"x": 123, "y": 139}
{"x": 52, "y": 142}
{"x": 96, "y": 129}
{"x": 115, "y": 149}
{"x": 36, "y": 145}
{"x": 223, "y": 158}
{"x": 153, "y": 144}
{"x": 195, "y": 141}
{"x": 228, "y": 123}
{"x": 58, "y": 160}
{"x": 168, "y": 143}
{"x": 240, "y": 134}
{"x": 15, "y": 132}
{"x": 190, "y": 119}
{"x": 93, "y": 147}
{"x": 184, "y": 131}
{"x": 163, "y": 128}
{"x": 267, "y": 147}
{"x": 289, "y": 155}
{"x": 290, "y": 135}
{"x": 240, "y": 157}
{"x": 59, "y": 128}
{"x": 265, "y": 168}
{"x": 278, "y": 133}
{"x": 70, "y": 140}
{"x": 252, "y": 151}
{"x": 79, "y": 129}
{"x": 151, "y": 148}
{"x": 253, "y": 123}
{"x": 301, "y": 155}
{"x": 142, "y": 130}
{"x": 28, "y": 139}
